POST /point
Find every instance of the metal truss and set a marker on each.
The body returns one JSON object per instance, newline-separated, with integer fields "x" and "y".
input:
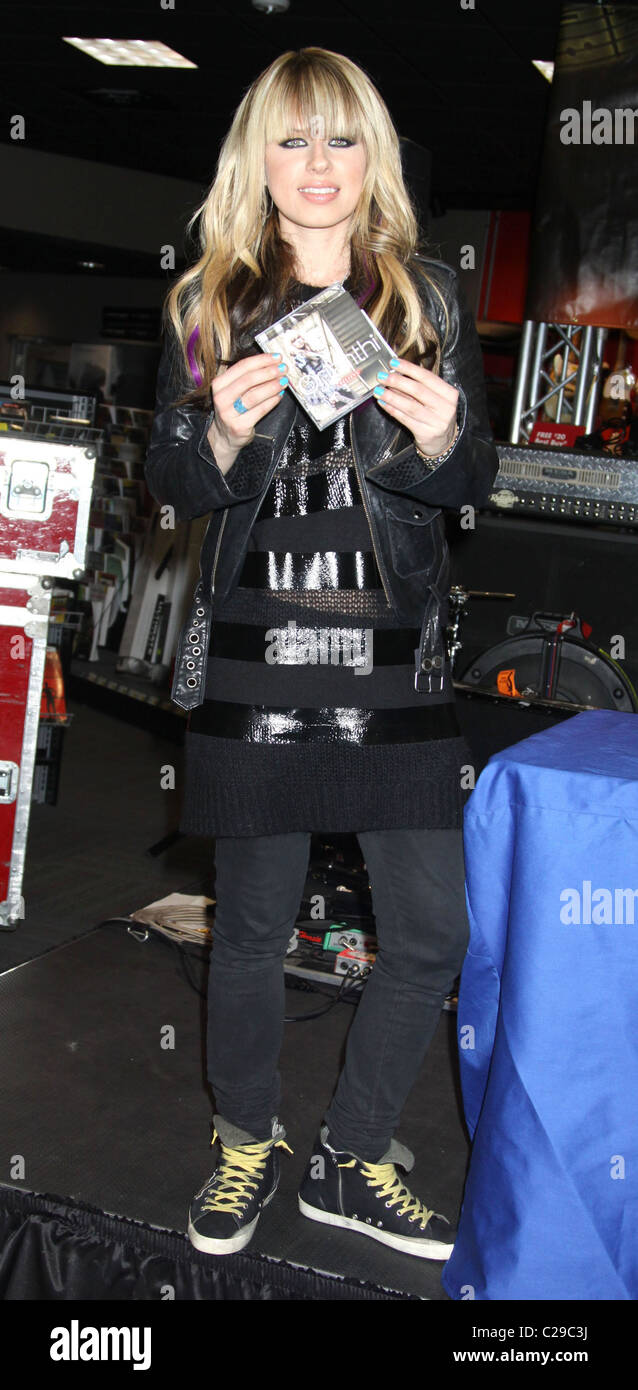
{"x": 569, "y": 394}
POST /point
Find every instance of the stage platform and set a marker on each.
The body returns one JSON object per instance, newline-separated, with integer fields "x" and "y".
{"x": 113, "y": 1130}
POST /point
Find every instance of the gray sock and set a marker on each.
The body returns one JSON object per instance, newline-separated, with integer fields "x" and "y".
{"x": 233, "y": 1136}
{"x": 397, "y": 1152}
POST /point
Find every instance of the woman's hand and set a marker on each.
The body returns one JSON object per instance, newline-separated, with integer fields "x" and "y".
{"x": 423, "y": 403}
{"x": 257, "y": 381}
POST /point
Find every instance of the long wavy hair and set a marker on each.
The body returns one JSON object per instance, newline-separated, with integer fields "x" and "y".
{"x": 245, "y": 273}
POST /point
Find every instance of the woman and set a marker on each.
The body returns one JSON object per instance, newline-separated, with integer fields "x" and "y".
{"x": 340, "y": 531}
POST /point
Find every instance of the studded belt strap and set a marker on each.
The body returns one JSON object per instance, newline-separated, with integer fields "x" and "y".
{"x": 192, "y": 653}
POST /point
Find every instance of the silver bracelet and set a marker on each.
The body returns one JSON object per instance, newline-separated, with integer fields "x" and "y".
{"x": 438, "y": 458}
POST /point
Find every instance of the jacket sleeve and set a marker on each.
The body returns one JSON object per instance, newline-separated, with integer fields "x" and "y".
{"x": 467, "y": 474}
{"x": 180, "y": 466}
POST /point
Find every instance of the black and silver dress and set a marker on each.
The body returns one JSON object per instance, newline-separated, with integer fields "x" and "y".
{"x": 310, "y": 719}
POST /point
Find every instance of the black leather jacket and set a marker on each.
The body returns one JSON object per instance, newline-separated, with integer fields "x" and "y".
{"x": 402, "y": 495}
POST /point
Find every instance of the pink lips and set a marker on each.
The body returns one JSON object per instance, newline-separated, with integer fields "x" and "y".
{"x": 319, "y": 197}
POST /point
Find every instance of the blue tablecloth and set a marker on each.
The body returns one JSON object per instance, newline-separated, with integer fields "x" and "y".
{"x": 548, "y": 1019}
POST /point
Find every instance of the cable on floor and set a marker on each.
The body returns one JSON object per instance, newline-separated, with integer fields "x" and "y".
{"x": 185, "y": 957}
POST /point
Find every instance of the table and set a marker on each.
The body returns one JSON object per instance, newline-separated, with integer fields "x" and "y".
{"x": 548, "y": 1019}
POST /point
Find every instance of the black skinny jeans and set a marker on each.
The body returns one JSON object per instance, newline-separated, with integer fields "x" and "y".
{"x": 418, "y": 898}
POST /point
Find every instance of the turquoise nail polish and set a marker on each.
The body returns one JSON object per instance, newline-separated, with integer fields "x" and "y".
{"x": 282, "y": 393}
{"x": 283, "y": 381}
{"x": 394, "y": 361}
{"x": 379, "y": 390}
{"x": 382, "y": 376}
{"x": 281, "y": 366}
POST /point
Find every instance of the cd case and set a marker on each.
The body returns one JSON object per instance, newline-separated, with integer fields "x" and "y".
{"x": 332, "y": 351}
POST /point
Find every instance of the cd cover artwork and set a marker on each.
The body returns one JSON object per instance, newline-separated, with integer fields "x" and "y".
{"x": 332, "y": 351}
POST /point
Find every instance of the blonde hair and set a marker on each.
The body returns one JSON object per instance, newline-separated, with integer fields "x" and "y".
{"x": 246, "y": 268}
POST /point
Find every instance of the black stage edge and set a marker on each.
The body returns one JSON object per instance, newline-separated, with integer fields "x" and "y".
{"x": 102, "y": 1257}
{"x": 107, "y": 1136}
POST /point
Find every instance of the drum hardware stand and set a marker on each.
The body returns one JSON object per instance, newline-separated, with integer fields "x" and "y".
{"x": 523, "y": 701}
{"x": 458, "y": 600}
{"x": 556, "y": 636}
{"x": 536, "y": 386}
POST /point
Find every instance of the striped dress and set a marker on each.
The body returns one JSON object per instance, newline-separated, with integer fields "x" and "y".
{"x": 310, "y": 719}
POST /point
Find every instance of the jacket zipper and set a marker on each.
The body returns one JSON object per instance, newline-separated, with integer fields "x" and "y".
{"x": 223, "y": 522}
{"x": 219, "y": 538}
{"x": 365, "y": 505}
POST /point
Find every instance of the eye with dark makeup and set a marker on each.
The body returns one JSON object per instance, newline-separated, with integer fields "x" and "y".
{"x": 295, "y": 140}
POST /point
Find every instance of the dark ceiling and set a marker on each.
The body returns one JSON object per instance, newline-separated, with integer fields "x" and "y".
{"x": 458, "y": 81}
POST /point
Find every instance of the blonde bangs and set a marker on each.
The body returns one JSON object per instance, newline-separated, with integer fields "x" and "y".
{"x": 300, "y": 93}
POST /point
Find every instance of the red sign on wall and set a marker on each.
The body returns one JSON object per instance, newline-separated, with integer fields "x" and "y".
{"x": 560, "y": 436}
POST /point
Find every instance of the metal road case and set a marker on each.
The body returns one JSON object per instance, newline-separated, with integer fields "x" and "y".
{"x": 45, "y": 495}
{"x": 45, "y": 492}
{"x": 25, "y": 600}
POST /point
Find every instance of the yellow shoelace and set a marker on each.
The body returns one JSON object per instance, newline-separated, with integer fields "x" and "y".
{"x": 385, "y": 1177}
{"x": 238, "y": 1171}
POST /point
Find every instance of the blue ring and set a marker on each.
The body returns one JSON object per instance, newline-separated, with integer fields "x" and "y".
{"x": 239, "y": 406}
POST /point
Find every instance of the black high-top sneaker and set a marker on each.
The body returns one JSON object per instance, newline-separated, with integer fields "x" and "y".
{"x": 342, "y": 1190}
{"x": 224, "y": 1214}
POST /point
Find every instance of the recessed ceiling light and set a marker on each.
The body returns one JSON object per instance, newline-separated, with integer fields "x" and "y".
{"x": 547, "y": 69}
{"x": 131, "y": 53}
{"x": 91, "y": 265}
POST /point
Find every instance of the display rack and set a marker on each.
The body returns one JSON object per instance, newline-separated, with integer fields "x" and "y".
{"x": 118, "y": 525}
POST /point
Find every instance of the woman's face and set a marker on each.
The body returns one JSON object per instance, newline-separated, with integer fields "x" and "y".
{"x": 315, "y": 181}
